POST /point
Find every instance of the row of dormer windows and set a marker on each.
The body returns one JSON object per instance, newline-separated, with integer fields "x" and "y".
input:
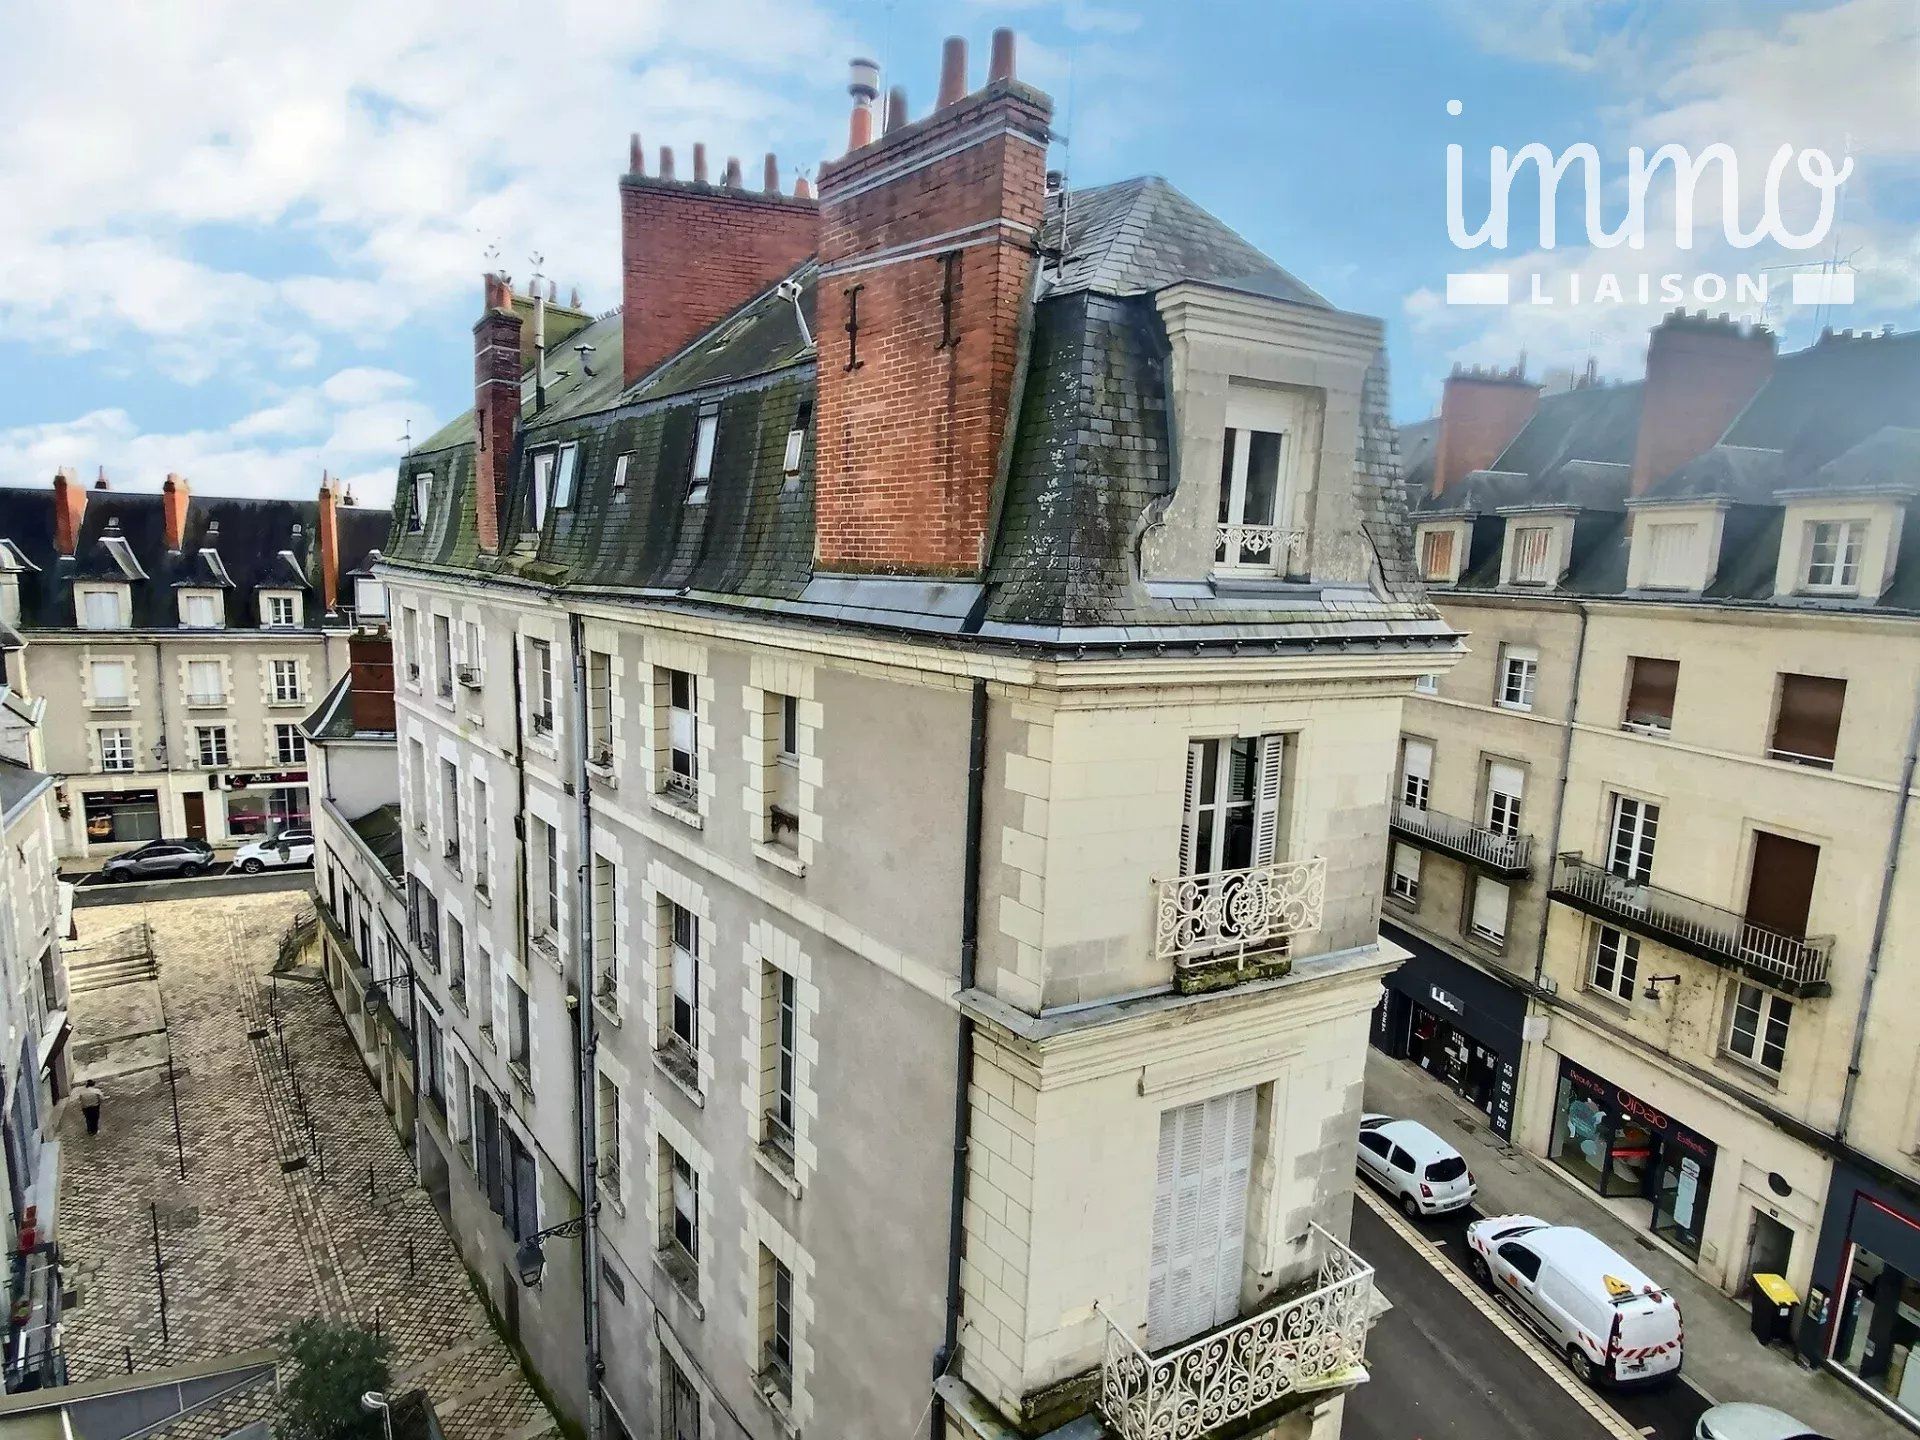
{"x": 1842, "y": 551}
{"x": 109, "y": 606}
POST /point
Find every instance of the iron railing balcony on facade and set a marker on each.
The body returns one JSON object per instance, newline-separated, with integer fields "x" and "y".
{"x": 1299, "y": 1344}
{"x": 1480, "y": 845}
{"x": 1794, "y": 964}
{"x": 1224, "y": 925}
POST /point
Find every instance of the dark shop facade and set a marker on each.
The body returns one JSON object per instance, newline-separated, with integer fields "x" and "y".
{"x": 1457, "y": 1023}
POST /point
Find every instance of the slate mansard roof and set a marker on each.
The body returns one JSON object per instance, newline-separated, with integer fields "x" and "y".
{"x": 1091, "y": 464}
{"x": 238, "y": 546}
{"x": 1839, "y": 418}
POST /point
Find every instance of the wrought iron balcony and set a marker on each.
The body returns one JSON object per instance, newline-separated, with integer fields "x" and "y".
{"x": 1476, "y": 844}
{"x": 1257, "y": 549}
{"x": 1299, "y": 1345}
{"x": 1210, "y": 926}
{"x": 1792, "y": 963}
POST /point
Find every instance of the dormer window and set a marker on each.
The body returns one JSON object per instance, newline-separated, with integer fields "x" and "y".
{"x": 417, "y": 503}
{"x": 1532, "y": 555}
{"x": 202, "y": 610}
{"x": 1671, "y": 547}
{"x": 704, "y": 438}
{"x": 553, "y": 473}
{"x": 1263, "y": 467}
{"x": 1833, "y": 549}
{"x": 279, "y": 610}
{"x": 370, "y": 597}
{"x": 1436, "y": 556}
{"x": 101, "y": 607}
{"x": 563, "y": 472}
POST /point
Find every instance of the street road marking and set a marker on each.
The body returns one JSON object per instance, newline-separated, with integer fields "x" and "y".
{"x": 1522, "y": 1340}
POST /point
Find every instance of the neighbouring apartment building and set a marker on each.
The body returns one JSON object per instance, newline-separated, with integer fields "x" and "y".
{"x": 35, "y": 918}
{"x": 1651, "y": 846}
{"x": 895, "y": 728}
{"x": 182, "y": 639}
{"x": 358, "y": 871}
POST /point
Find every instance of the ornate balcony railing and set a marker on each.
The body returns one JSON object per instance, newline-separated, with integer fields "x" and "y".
{"x": 1795, "y": 964}
{"x": 1316, "y": 1341}
{"x": 1262, "y": 549}
{"x": 1229, "y": 918}
{"x": 1436, "y": 830}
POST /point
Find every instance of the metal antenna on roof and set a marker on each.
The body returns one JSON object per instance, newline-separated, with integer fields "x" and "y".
{"x": 406, "y": 435}
{"x": 1065, "y": 137}
{"x": 539, "y": 334}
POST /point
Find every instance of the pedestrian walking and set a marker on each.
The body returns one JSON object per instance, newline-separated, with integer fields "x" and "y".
{"x": 89, "y": 1096}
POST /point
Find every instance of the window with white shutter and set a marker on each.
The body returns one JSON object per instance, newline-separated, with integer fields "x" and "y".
{"x": 1416, "y": 773}
{"x": 1199, "y": 1217}
{"x": 1505, "y": 786}
{"x": 1406, "y": 873}
{"x": 1490, "y": 910}
{"x": 1231, "y": 818}
{"x": 1532, "y": 555}
{"x": 1670, "y": 552}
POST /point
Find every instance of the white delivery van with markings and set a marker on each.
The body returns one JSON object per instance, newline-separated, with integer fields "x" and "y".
{"x": 1590, "y": 1302}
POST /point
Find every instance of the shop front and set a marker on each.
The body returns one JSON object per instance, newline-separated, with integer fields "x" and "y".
{"x": 1621, "y": 1147}
{"x": 121, "y": 817}
{"x": 1863, "y": 1309}
{"x": 1457, "y": 1023}
{"x": 266, "y": 804}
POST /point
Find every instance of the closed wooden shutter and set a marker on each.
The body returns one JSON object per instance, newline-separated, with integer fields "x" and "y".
{"x": 1650, "y": 691}
{"x": 1808, "y": 724}
{"x": 1199, "y": 1217}
{"x": 1266, "y": 800}
{"x": 1780, "y": 889}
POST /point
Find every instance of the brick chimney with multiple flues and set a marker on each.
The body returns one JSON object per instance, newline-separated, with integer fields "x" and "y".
{"x": 928, "y": 234}
{"x": 328, "y": 524}
{"x": 691, "y": 252}
{"x": 1480, "y": 413}
{"x": 69, "y": 509}
{"x": 370, "y": 682}
{"x": 496, "y": 408}
{"x": 1701, "y": 373}
{"x": 173, "y": 504}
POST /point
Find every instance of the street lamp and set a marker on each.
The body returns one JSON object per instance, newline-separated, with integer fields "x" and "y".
{"x": 531, "y": 1259}
{"x": 374, "y": 1400}
{"x": 1654, "y": 982}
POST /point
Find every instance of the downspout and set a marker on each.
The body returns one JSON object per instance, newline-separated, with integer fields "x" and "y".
{"x": 1881, "y": 911}
{"x": 586, "y": 1042}
{"x": 1560, "y": 796}
{"x": 413, "y": 1034}
{"x": 963, "y": 1055}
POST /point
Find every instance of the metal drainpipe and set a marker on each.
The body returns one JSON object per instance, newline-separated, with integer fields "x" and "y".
{"x": 1894, "y": 838}
{"x": 963, "y": 1057}
{"x": 1560, "y": 799}
{"x": 587, "y": 1040}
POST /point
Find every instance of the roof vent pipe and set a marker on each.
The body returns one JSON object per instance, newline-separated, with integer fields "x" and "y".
{"x": 1000, "y": 59}
{"x": 896, "y": 108}
{"x": 863, "y": 84}
{"x": 699, "y": 163}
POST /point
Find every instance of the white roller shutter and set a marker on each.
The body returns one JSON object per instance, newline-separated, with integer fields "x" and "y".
{"x": 1199, "y": 1217}
{"x": 1416, "y": 773}
{"x": 1490, "y": 909}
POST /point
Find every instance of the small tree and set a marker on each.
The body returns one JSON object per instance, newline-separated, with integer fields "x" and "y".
{"x": 325, "y": 1369}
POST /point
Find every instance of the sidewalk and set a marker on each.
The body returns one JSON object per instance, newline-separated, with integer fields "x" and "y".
{"x": 1723, "y": 1359}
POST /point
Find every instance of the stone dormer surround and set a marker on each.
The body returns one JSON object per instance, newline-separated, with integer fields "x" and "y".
{"x": 1223, "y": 342}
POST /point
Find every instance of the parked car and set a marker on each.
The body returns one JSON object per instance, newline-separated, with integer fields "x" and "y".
{"x": 289, "y": 847}
{"x": 1424, "y": 1174}
{"x": 1591, "y": 1303}
{"x": 158, "y": 859}
{"x": 1743, "y": 1421}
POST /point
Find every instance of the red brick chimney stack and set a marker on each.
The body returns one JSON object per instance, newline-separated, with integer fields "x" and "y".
{"x": 1701, "y": 373}
{"x": 636, "y": 155}
{"x": 1000, "y": 58}
{"x": 953, "y": 72}
{"x": 1480, "y": 413}
{"x": 496, "y": 406}
{"x": 927, "y": 260}
{"x": 173, "y": 506}
{"x": 69, "y": 509}
{"x": 329, "y": 526}
{"x": 864, "y": 87}
{"x": 692, "y": 252}
{"x": 370, "y": 687}
{"x": 802, "y": 188}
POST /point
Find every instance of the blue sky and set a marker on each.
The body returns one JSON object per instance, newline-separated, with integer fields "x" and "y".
{"x": 252, "y": 235}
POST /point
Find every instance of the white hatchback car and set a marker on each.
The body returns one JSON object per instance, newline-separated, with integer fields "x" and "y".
{"x": 1421, "y": 1171}
{"x": 290, "y": 847}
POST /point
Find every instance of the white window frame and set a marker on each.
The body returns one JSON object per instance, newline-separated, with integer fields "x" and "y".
{"x": 1768, "y": 1008}
{"x": 1613, "y": 966}
{"x": 1404, "y": 878}
{"x": 1532, "y": 562}
{"x": 1519, "y": 677}
{"x": 682, "y": 774}
{"x": 1671, "y": 563}
{"x": 683, "y": 990}
{"x": 540, "y": 706}
{"x": 285, "y": 753}
{"x": 1416, "y": 774}
{"x": 87, "y": 598}
{"x": 283, "y": 678}
{"x": 115, "y": 743}
{"x": 1633, "y": 829}
{"x": 1839, "y": 573}
{"x": 1266, "y": 771}
{"x": 417, "y": 510}
{"x": 271, "y": 602}
{"x": 1479, "y": 916}
{"x": 706, "y": 439}
{"x": 190, "y": 599}
{"x": 103, "y": 700}
{"x": 364, "y": 587}
{"x": 796, "y": 440}
{"x": 1504, "y": 800}
{"x": 222, "y": 749}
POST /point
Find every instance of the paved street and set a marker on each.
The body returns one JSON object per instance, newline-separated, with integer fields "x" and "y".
{"x": 275, "y": 1218}
{"x": 1441, "y": 1369}
{"x": 1723, "y": 1362}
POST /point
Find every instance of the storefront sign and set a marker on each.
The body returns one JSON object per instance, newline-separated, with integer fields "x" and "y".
{"x": 1446, "y": 1001}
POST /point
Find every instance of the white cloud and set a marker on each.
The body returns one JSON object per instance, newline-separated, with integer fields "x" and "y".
{"x": 1838, "y": 79}
{"x": 349, "y": 423}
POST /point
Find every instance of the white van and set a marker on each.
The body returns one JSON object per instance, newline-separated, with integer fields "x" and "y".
{"x": 1589, "y": 1301}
